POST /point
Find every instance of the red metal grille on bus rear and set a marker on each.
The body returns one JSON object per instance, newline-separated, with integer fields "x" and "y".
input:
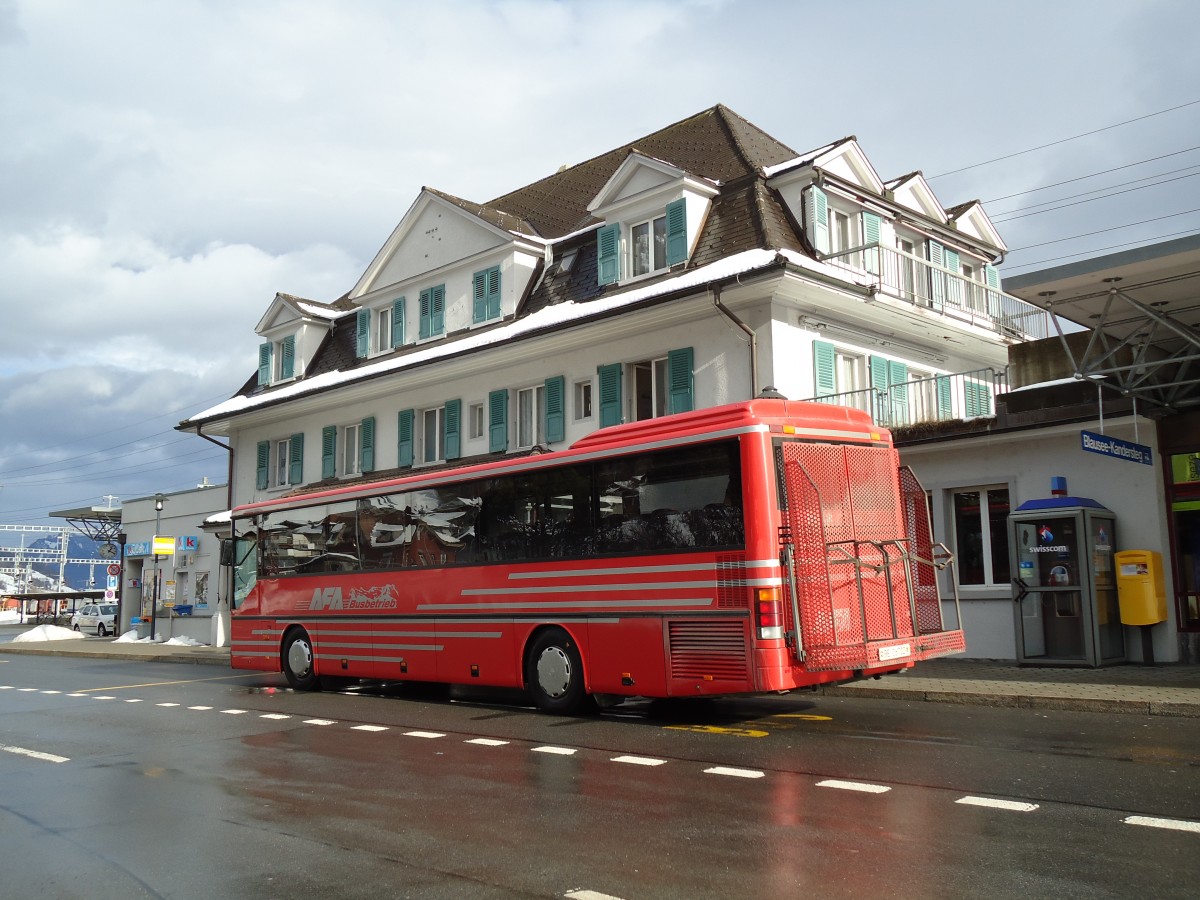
{"x": 732, "y": 592}
{"x": 839, "y": 499}
{"x": 925, "y": 589}
{"x": 714, "y": 650}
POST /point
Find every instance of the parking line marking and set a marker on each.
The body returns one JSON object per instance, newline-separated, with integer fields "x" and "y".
{"x": 992, "y": 803}
{"x": 557, "y": 751}
{"x": 368, "y": 728}
{"x": 1172, "y": 824}
{"x": 639, "y": 760}
{"x": 486, "y": 742}
{"x": 425, "y": 734}
{"x": 35, "y": 754}
{"x": 736, "y": 773}
{"x": 854, "y": 786}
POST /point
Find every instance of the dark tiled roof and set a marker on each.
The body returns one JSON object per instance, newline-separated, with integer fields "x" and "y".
{"x": 717, "y": 144}
{"x": 491, "y": 215}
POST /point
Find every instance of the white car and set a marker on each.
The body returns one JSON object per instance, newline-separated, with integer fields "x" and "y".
{"x": 101, "y": 617}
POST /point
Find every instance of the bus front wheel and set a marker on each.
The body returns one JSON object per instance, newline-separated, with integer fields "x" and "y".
{"x": 554, "y": 673}
{"x": 298, "y": 661}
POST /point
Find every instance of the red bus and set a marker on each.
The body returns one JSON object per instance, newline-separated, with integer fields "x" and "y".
{"x": 756, "y": 547}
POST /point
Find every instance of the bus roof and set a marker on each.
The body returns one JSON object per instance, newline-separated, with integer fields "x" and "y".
{"x": 819, "y": 421}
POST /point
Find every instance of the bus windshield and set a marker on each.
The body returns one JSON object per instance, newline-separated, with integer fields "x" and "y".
{"x": 245, "y": 565}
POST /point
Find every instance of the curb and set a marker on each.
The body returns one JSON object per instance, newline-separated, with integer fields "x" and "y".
{"x": 1024, "y": 701}
{"x": 150, "y": 656}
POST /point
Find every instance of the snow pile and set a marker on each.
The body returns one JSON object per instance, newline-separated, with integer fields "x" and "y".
{"x": 10, "y": 617}
{"x": 129, "y": 637}
{"x": 184, "y": 641}
{"x": 48, "y": 633}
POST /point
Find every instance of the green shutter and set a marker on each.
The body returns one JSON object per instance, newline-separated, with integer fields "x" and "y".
{"x": 945, "y": 398}
{"x": 898, "y": 392}
{"x": 978, "y": 399}
{"x": 426, "y": 329}
{"x": 679, "y": 380}
{"x": 287, "y": 357}
{"x": 991, "y": 276}
{"x": 262, "y": 474}
{"x": 872, "y": 227}
{"x": 296, "y": 459}
{"x": 479, "y": 298}
{"x": 498, "y": 420}
{"x": 404, "y": 437}
{"x": 438, "y": 309}
{"x": 362, "y": 332}
{"x": 608, "y": 255}
{"x": 264, "y": 364}
{"x": 493, "y": 292}
{"x": 937, "y": 278}
{"x": 610, "y": 394}
{"x": 556, "y": 409}
{"x": 816, "y": 219}
{"x": 879, "y": 393}
{"x": 398, "y": 323}
{"x": 366, "y": 445}
{"x": 824, "y": 368}
{"x": 452, "y": 429}
{"x": 677, "y": 232}
{"x": 328, "y": 451}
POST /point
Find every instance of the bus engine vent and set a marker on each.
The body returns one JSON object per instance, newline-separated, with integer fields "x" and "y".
{"x": 732, "y": 592}
{"x": 712, "y": 650}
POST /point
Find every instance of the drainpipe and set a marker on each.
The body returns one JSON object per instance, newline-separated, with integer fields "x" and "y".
{"x": 220, "y": 631}
{"x": 725, "y": 311}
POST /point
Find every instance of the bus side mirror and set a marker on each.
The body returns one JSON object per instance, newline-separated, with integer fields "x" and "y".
{"x": 227, "y": 552}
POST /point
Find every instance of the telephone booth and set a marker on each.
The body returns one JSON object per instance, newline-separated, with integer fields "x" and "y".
{"x": 1064, "y": 582}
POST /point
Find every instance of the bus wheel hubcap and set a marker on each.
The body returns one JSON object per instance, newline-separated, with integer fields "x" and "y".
{"x": 300, "y": 658}
{"x": 554, "y": 671}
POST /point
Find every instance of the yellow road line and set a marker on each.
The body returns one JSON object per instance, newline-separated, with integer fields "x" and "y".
{"x": 123, "y": 687}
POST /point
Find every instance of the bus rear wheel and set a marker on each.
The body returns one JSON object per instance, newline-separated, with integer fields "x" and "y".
{"x": 297, "y": 659}
{"x": 554, "y": 673}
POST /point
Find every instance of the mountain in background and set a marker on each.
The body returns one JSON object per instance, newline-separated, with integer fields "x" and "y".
{"x": 77, "y": 575}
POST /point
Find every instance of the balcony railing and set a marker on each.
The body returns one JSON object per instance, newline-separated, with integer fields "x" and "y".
{"x": 942, "y": 398}
{"x": 922, "y": 283}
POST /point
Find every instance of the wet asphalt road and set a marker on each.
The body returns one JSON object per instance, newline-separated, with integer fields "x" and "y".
{"x": 162, "y": 780}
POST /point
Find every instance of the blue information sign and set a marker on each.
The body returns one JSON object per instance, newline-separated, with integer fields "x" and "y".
{"x": 1115, "y": 447}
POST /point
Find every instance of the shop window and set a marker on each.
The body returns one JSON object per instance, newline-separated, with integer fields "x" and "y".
{"x": 981, "y": 536}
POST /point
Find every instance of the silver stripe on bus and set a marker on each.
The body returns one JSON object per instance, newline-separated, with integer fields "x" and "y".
{"x": 327, "y": 648}
{"x": 568, "y": 605}
{"x": 327, "y": 633}
{"x": 642, "y": 570}
{"x": 599, "y": 588}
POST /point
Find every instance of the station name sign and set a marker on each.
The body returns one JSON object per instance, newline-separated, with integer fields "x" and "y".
{"x": 1115, "y": 447}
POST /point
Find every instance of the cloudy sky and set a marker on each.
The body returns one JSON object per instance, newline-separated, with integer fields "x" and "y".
{"x": 166, "y": 166}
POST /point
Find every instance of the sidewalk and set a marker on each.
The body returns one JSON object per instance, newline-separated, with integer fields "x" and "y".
{"x": 1165, "y": 690}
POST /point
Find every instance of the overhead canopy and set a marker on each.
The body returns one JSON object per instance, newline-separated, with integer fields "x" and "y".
{"x": 100, "y": 523}
{"x": 1142, "y": 308}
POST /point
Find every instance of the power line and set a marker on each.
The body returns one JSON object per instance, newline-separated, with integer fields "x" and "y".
{"x": 1064, "y": 140}
{"x": 1091, "y": 200}
{"x": 1103, "y": 230}
{"x": 1098, "y": 190}
{"x": 1046, "y": 187}
{"x": 1008, "y": 270}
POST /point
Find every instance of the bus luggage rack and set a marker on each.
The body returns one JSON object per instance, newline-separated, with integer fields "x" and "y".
{"x": 862, "y": 597}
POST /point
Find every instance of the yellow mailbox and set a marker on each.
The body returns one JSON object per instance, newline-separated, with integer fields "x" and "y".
{"x": 1140, "y": 589}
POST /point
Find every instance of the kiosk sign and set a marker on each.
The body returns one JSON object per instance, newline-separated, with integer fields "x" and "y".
{"x": 1115, "y": 447}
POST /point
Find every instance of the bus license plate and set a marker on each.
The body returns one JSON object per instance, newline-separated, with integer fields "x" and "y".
{"x": 899, "y": 650}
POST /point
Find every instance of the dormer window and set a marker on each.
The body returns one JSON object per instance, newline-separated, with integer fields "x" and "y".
{"x": 277, "y": 360}
{"x": 645, "y": 247}
{"x": 648, "y": 246}
{"x": 379, "y": 330}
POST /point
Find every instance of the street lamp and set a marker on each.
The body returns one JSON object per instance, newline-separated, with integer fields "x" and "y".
{"x": 159, "y": 499}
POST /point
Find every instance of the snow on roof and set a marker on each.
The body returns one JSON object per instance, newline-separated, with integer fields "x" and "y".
{"x": 804, "y": 159}
{"x": 549, "y": 317}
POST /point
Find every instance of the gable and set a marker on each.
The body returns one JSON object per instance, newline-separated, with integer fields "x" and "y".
{"x": 972, "y": 220}
{"x": 847, "y": 161}
{"x": 913, "y": 192}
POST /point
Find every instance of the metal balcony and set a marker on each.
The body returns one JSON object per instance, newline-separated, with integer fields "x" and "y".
{"x": 914, "y": 280}
{"x": 941, "y": 398}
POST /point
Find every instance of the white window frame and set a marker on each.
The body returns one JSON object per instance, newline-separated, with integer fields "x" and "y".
{"x": 381, "y": 331}
{"x": 281, "y": 460}
{"x": 350, "y": 457}
{"x": 651, "y": 224}
{"x": 850, "y": 377}
{"x": 476, "y": 419}
{"x": 584, "y": 395}
{"x": 531, "y": 402}
{"x": 433, "y": 435}
{"x": 985, "y": 535}
{"x": 659, "y": 387}
{"x": 277, "y": 359}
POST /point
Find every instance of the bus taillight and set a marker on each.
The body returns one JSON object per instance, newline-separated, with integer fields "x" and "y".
{"x": 768, "y": 604}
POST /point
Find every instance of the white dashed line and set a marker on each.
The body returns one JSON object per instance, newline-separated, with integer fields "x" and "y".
{"x": 735, "y": 773}
{"x": 166, "y": 704}
{"x": 274, "y": 716}
{"x": 319, "y": 722}
{"x": 991, "y": 803}
{"x": 1172, "y": 824}
{"x": 486, "y": 742}
{"x": 105, "y": 697}
{"x": 639, "y": 760}
{"x": 26, "y": 690}
{"x": 557, "y": 751}
{"x": 51, "y": 692}
{"x": 854, "y": 786}
{"x": 47, "y": 757}
{"x": 425, "y": 734}
{"x": 6, "y": 687}
{"x": 200, "y": 708}
{"x": 368, "y": 728}
{"x": 589, "y": 895}
{"x": 133, "y": 699}
{"x": 234, "y": 712}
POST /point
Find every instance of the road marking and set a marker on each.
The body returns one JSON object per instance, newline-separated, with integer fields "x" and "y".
{"x": 557, "y": 751}
{"x": 319, "y": 722}
{"x": 133, "y": 699}
{"x": 991, "y": 803}
{"x": 736, "y": 773}
{"x": 201, "y": 708}
{"x": 368, "y": 728}
{"x": 717, "y": 729}
{"x": 486, "y": 742}
{"x": 854, "y": 786}
{"x": 234, "y": 712}
{"x": 589, "y": 895}
{"x": 6, "y": 687}
{"x": 425, "y": 734}
{"x": 639, "y": 760}
{"x": 274, "y": 716}
{"x": 51, "y": 692}
{"x": 106, "y": 697}
{"x": 26, "y": 690}
{"x": 76, "y": 695}
{"x": 48, "y": 757}
{"x": 808, "y": 717}
{"x": 125, "y": 687}
{"x": 166, "y": 704}
{"x": 1172, "y": 824}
